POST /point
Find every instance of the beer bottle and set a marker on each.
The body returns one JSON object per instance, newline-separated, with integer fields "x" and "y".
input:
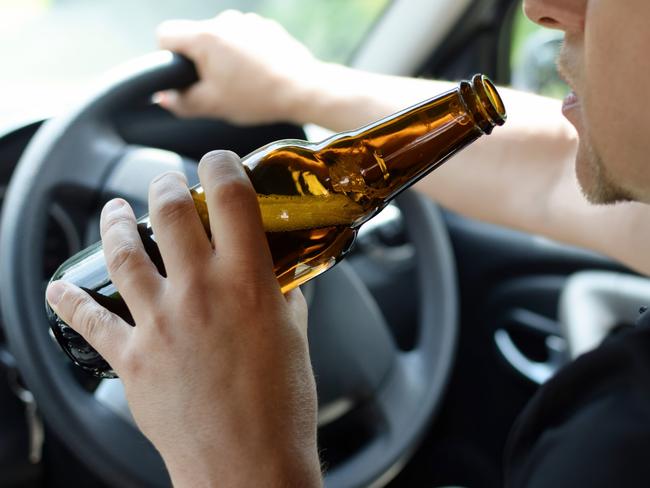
{"x": 314, "y": 196}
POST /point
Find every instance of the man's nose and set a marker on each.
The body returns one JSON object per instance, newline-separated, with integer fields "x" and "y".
{"x": 565, "y": 15}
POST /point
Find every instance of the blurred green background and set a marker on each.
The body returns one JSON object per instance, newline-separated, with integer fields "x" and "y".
{"x": 532, "y": 58}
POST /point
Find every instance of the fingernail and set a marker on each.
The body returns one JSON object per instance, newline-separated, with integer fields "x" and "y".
{"x": 55, "y": 291}
{"x": 165, "y": 99}
{"x": 227, "y": 160}
{"x": 114, "y": 204}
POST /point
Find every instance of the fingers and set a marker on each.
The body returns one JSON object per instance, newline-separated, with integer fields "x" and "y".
{"x": 179, "y": 233}
{"x": 191, "y": 102}
{"x": 129, "y": 266}
{"x": 181, "y": 36}
{"x": 235, "y": 219}
{"x": 178, "y": 36}
{"x": 103, "y": 330}
{"x": 189, "y": 37}
{"x": 242, "y": 79}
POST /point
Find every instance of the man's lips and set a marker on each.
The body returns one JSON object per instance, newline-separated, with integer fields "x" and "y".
{"x": 571, "y": 100}
{"x": 571, "y": 106}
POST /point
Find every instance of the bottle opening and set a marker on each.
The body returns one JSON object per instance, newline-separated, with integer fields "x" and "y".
{"x": 495, "y": 99}
{"x": 490, "y": 99}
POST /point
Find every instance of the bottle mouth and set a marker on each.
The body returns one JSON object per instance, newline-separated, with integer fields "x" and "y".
{"x": 488, "y": 103}
{"x": 490, "y": 98}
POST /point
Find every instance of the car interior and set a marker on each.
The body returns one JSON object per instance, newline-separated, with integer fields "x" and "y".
{"x": 427, "y": 340}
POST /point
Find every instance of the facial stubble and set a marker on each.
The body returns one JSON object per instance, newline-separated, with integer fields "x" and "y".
{"x": 598, "y": 185}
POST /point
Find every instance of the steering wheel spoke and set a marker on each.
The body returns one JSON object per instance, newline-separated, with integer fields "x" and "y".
{"x": 132, "y": 173}
{"x": 87, "y": 155}
{"x": 394, "y": 403}
{"x": 344, "y": 315}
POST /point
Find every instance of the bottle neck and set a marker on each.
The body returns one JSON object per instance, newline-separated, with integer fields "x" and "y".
{"x": 395, "y": 152}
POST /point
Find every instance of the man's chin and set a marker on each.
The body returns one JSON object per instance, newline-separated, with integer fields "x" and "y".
{"x": 605, "y": 197}
{"x": 596, "y": 184}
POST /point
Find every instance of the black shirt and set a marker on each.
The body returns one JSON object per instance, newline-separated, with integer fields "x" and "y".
{"x": 589, "y": 426}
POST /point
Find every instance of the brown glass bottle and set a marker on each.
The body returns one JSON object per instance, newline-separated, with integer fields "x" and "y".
{"x": 314, "y": 196}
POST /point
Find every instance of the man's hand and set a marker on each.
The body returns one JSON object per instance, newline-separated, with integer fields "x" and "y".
{"x": 251, "y": 70}
{"x": 216, "y": 371}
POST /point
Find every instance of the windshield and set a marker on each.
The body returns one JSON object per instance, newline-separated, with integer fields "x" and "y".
{"x": 52, "y": 49}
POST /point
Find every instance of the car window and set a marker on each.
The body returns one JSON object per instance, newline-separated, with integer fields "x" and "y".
{"x": 533, "y": 51}
{"x": 51, "y": 49}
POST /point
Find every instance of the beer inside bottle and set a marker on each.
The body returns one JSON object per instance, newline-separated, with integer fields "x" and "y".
{"x": 313, "y": 196}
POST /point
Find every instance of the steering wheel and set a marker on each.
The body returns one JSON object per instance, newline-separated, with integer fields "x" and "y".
{"x": 355, "y": 358}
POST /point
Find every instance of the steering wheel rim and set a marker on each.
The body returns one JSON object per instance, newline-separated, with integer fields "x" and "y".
{"x": 112, "y": 447}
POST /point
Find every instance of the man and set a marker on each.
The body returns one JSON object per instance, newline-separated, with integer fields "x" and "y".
{"x": 220, "y": 304}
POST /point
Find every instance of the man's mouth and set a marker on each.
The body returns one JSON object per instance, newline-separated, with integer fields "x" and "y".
{"x": 571, "y": 107}
{"x": 570, "y": 101}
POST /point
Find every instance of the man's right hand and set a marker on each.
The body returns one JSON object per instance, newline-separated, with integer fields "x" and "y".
{"x": 216, "y": 371}
{"x": 251, "y": 70}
